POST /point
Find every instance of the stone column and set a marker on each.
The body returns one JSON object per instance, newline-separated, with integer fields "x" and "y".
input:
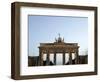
{"x": 63, "y": 58}
{"x": 48, "y": 58}
{"x": 76, "y": 57}
{"x": 54, "y": 58}
{"x": 70, "y": 58}
{"x": 41, "y": 58}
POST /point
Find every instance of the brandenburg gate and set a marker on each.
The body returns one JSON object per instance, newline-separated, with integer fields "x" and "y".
{"x": 59, "y": 46}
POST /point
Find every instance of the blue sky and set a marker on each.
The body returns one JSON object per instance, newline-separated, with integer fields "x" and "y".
{"x": 44, "y": 29}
